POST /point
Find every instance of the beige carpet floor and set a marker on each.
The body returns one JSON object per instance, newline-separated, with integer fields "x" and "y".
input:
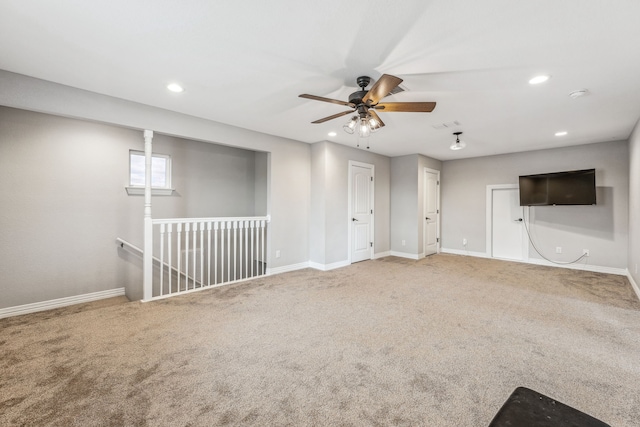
{"x": 441, "y": 341}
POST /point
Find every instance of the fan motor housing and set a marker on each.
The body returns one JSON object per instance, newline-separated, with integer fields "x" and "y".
{"x": 356, "y": 97}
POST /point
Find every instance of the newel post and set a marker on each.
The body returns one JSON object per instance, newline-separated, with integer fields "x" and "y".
{"x": 147, "y": 258}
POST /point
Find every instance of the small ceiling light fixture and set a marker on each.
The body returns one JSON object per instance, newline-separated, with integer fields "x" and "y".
{"x": 539, "y": 79}
{"x": 332, "y": 134}
{"x": 457, "y": 144}
{"x": 578, "y": 93}
{"x": 561, "y": 133}
{"x": 174, "y": 87}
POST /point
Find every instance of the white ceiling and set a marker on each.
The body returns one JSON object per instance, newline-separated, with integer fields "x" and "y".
{"x": 244, "y": 63}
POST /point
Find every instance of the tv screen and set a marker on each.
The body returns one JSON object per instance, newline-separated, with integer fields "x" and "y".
{"x": 559, "y": 188}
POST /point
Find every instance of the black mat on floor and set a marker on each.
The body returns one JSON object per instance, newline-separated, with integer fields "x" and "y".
{"x": 526, "y": 407}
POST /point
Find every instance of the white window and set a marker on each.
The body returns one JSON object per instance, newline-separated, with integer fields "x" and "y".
{"x": 160, "y": 173}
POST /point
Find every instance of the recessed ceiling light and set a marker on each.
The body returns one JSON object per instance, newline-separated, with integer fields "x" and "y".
{"x": 332, "y": 134}
{"x": 174, "y": 87}
{"x": 539, "y": 79}
{"x": 561, "y": 133}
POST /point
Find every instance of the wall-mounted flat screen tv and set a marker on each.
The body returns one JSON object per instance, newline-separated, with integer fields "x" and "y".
{"x": 559, "y": 188}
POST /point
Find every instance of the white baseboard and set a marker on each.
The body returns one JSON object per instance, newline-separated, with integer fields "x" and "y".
{"x": 584, "y": 267}
{"x": 634, "y": 285}
{"x": 340, "y": 264}
{"x": 381, "y": 254}
{"x": 59, "y": 302}
{"x": 287, "y": 268}
{"x": 463, "y": 252}
{"x": 327, "y": 267}
{"x": 404, "y": 255}
{"x": 537, "y": 261}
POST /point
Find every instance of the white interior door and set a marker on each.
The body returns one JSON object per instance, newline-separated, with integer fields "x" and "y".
{"x": 361, "y": 212}
{"x": 507, "y": 240}
{"x": 431, "y": 212}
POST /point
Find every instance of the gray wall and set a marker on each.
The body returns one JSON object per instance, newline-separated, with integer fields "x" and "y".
{"x": 330, "y": 202}
{"x": 317, "y": 220}
{"x": 289, "y": 166}
{"x": 602, "y": 229}
{"x": 64, "y": 201}
{"x": 407, "y": 193}
{"x": 261, "y": 187}
{"x": 634, "y": 204}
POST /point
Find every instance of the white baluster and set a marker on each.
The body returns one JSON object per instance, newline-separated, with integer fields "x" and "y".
{"x": 179, "y": 254}
{"x": 235, "y": 249}
{"x": 170, "y": 259}
{"x": 195, "y": 248}
{"x": 162, "y": 259}
{"x": 263, "y": 266}
{"x": 208, "y": 253}
{"x": 253, "y": 246}
{"x": 258, "y": 248}
{"x": 201, "y": 227}
{"x": 246, "y": 248}
{"x": 187, "y": 229}
{"x": 223, "y": 227}
{"x": 215, "y": 252}
{"x": 229, "y": 251}
{"x": 240, "y": 226}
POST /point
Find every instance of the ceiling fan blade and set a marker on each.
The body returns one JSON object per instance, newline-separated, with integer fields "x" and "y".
{"x": 410, "y": 107}
{"x": 335, "y": 116}
{"x": 376, "y": 117}
{"x": 333, "y": 101}
{"x": 381, "y": 88}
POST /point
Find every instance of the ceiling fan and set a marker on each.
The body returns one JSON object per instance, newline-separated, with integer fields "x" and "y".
{"x": 364, "y": 103}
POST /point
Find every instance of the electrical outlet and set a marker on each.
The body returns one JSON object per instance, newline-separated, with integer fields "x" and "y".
{"x": 558, "y": 250}
{"x": 464, "y": 242}
{"x": 278, "y": 254}
{"x": 404, "y": 242}
{"x": 585, "y": 252}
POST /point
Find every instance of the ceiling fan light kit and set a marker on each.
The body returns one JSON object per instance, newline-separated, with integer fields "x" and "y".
{"x": 364, "y": 103}
{"x": 457, "y": 144}
{"x": 351, "y": 126}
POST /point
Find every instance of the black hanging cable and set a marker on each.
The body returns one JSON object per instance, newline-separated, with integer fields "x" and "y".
{"x": 536, "y": 249}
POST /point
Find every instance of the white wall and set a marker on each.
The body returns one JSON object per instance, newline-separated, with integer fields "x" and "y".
{"x": 329, "y": 217}
{"x": 602, "y": 229}
{"x": 634, "y": 204}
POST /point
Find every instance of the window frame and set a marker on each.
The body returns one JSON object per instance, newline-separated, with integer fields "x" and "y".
{"x": 165, "y": 190}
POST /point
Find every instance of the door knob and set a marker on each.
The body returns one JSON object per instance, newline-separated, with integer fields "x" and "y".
{"x": 518, "y": 220}
{"x": 353, "y": 219}
{"x": 427, "y": 218}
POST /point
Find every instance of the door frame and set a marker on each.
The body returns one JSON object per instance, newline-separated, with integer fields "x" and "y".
{"x": 424, "y": 209}
{"x": 489, "y": 219}
{"x": 372, "y": 192}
